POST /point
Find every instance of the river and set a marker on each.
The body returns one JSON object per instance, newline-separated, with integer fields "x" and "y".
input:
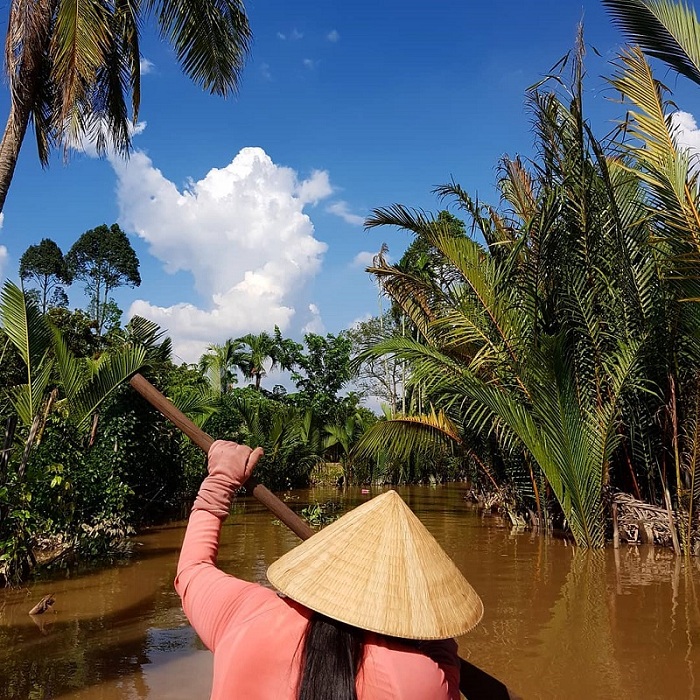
{"x": 559, "y": 622}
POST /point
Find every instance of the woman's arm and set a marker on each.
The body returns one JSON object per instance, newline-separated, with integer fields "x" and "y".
{"x": 209, "y": 596}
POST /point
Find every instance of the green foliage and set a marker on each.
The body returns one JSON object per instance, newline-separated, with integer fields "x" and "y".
{"x": 103, "y": 259}
{"x": 320, "y": 514}
{"x": 320, "y": 374}
{"x": 665, "y": 30}
{"x": 45, "y": 265}
{"x": 554, "y": 346}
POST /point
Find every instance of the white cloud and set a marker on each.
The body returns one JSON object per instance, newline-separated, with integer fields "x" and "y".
{"x": 333, "y": 36}
{"x": 146, "y": 66}
{"x": 265, "y": 71}
{"x": 687, "y": 135}
{"x": 240, "y": 231}
{"x": 317, "y": 187}
{"x": 686, "y": 130}
{"x": 88, "y": 146}
{"x": 315, "y": 324}
{"x": 362, "y": 319}
{"x": 363, "y": 259}
{"x": 342, "y": 210}
{"x": 308, "y": 63}
{"x": 4, "y": 257}
{"x": 294, "y": 35}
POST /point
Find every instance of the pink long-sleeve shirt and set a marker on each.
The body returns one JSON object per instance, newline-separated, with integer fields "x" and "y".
{"x": 256, "y": 635}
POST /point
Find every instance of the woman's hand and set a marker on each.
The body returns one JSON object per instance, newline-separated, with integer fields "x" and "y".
{"x": 231, "y": 461}
{"x": 230, "y": 465}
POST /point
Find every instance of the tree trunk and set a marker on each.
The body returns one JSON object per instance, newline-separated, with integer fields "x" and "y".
{"x": 15, "y": 130}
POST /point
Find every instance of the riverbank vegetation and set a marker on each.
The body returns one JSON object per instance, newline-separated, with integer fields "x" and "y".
{"x": 557, "y": 342}
{"x": 546, "y": 349}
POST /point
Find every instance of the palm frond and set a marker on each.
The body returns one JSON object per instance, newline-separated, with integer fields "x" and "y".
{"x": 24, "y": 324}
{"x": 665, "y": 30}
{"x": 115, "y": 368}
{"x": 402, "y": 437}
{"x": 211, "y": 39}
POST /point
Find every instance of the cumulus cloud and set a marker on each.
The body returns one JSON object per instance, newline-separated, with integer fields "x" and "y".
{"x": 242, "y": 233}
{"x": 363, "y": 259}
{"x": 89, "y": 146}
{"x": 333, "y": 36}
{"x": 315, "y": 324}
{"x": 146, "y": 66}
{"x": 342, "y": 210}
{"x": 687, "y": 135}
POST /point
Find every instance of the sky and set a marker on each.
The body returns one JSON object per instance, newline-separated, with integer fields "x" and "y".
{"x": 248, "y": 213}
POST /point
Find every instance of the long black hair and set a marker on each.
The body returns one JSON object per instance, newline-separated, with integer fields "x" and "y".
{"x": 331, "y": 657}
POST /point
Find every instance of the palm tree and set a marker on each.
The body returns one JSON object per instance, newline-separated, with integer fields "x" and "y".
{"x": 73, "y": 67}
{"x": 563, "y": 339}
{"x": 262, "y": 353}
{"x": 53, "y": 380}
{"x": 219, "y": 364}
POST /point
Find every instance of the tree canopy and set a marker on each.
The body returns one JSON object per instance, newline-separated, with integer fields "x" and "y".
{"x": 45, "y": 265}
{"x": 104, "y": 259}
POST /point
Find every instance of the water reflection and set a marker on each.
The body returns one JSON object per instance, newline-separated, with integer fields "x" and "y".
{"x": 559, "y": 623}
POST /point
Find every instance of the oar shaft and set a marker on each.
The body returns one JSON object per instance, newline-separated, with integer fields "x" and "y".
{"x": 204, "y": 442}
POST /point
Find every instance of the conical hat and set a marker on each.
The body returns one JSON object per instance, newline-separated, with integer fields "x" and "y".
{"x": 379, "y": 569}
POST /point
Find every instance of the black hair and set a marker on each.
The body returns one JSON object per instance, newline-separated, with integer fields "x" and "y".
{"x": 331, "y": 658}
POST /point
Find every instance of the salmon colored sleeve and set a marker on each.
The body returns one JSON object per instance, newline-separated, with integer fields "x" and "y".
{"x": 444, "y": 653}
{"x": 210, "y": 598}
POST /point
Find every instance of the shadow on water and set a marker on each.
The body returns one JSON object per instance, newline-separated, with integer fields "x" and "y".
{"x": 559, "y": 623}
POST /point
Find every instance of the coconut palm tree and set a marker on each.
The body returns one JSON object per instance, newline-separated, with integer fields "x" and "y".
{"x": 219, "y": 364}
{"x": 263, "y": 352}
{"x": 73, "y": 67}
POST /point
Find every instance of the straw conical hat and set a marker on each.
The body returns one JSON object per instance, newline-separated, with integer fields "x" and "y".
{"x": 379, "y": 569}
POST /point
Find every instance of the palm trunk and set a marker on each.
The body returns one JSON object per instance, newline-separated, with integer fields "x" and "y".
{"x": 15, "y": 130}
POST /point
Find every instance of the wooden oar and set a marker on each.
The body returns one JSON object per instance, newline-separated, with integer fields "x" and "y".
{"x": 474, "y": 683}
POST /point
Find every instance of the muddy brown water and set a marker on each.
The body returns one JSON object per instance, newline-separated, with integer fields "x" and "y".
{"x": 559, "y": 623}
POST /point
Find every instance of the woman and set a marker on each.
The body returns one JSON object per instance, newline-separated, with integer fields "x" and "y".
{"x": 367, "y": 609}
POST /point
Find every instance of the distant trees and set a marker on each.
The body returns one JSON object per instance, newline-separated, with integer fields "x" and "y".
{"x": 219, "y": 364}
{"x": 45, "y": 265}
{"x": 104, "y": 259}
{"x": 263, "y": 353}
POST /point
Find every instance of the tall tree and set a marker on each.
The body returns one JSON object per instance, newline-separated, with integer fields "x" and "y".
{"x": 322, "y": 372}
{"x": 104, "y": 259}
{"x": 46, "y": 266}
{"x": 219, "y": 364}
{"x": 262, "y": 353}
{"x": 73, "y": 67}
{"x": 569, "y": 337}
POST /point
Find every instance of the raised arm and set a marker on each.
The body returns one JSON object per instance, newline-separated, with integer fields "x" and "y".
{"x": 209, "y": 595}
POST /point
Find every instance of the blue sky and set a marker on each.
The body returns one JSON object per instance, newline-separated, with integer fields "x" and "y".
{"x": 247, "y": 212}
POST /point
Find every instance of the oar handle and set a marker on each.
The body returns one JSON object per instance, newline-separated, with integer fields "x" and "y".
{"x": 475, "y": 684}
{"x": 204, "y": 442}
